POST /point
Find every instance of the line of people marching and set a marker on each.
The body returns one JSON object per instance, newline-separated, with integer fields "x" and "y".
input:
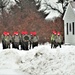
{"x": 24, "y": 39}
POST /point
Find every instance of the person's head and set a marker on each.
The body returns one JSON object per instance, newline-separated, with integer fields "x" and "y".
{"x": 16, "y": 33}
{"x": 5, "y": 33}
{"x": 34, "y": 33}
{"x": 24, "y": 32}
{"x": 58, "y": 33}
{"x": 54, "y": 32}
{"x": 31, "y": 33}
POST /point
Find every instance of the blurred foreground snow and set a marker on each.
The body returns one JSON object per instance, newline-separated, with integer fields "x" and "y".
{"x": 41, "y": 60}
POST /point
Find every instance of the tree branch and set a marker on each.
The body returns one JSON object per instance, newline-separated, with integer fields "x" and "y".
{"x": 18, "y": 2}
{"x": 53, "y": 8}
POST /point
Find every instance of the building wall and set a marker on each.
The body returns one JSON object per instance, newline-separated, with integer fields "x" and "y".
{"x": 69, "y": 25}
{"x": 69, "y": 15}
{"x": 69, "y": 32}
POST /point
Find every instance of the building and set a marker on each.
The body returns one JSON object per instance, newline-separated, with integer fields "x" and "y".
{"x": 69, "y": 24}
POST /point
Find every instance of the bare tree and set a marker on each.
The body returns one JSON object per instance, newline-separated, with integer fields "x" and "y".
{"x": 64, "y": 4}
{"x": 50, "y": 7}
{"x": 3, "y": 4}
{"x": 38, "y": 2}
{"x": 20, "y": 4}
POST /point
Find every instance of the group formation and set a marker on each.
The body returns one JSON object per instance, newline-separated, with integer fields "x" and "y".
{"x": 56, "y": 39}
{"x": 23, "y": 41}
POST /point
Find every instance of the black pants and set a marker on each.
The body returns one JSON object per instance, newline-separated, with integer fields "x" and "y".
{"x": 53, "y": 44}
{"x": 30, "y": 44}
{"x": 24, "y": 45}
{"x": 59, "y": 44}
{"x": 15, "y": 45}
{"x": 5, "y": 45}
{"x": 34, "y": 44}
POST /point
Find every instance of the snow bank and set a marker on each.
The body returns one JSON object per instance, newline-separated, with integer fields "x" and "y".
{"x": 9, "y": 59}
{"x": 46, "y": 61}
{"x": 41, "y": 60}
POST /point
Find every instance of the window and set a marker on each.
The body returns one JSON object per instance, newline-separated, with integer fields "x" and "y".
{"x": 67, "y": 28}
{"x": 73, "y": 27}
{"x": 70, "y": 27}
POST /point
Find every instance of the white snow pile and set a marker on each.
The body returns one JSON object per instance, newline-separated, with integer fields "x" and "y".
{"x": 47, "y": 61}
{"x": 41, "y": 60}
{"x": 9, "y": 59}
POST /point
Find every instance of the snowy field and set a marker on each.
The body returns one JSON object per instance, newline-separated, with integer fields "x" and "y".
{"x": 41, "y": 60}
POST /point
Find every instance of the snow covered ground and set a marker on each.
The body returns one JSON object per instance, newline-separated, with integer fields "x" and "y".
{"x": 41, "y": 60}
